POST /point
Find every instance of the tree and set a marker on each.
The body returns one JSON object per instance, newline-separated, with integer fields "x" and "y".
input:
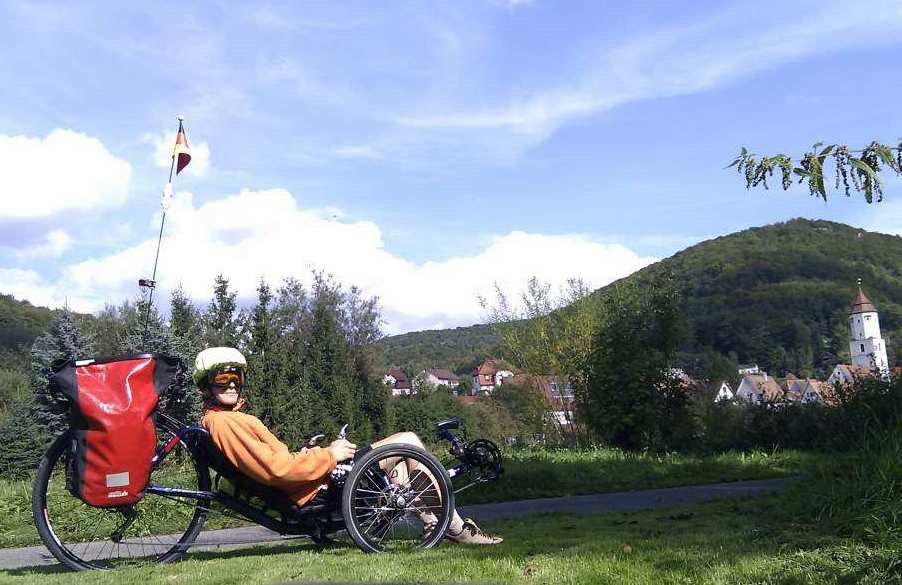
{"x": 262, "y": 374}
{"x": 526, "y": 406}
{"x": 184, "y": 319}
{"x": 327, "y": 356}
{"x": 109, "y": 328}
{"x": 861, "y": 173}
{"x": 222, "y": 326}
{"x": 62, "y": 342}
{"x": 633, "y": 399}
{"x": 182, "y": 399}
{"x": 24, "y": 440}
{"x": 549, "y": 335}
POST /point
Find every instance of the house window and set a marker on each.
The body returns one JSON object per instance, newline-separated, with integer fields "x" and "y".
{"x": 862, "y": 347}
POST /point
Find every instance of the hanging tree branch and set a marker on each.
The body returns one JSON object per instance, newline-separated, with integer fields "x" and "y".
{"x": 859, "y": 173}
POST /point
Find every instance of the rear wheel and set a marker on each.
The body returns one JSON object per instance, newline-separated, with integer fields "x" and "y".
{"x": 155, "y": 529}
{"x": 397, "y": 497}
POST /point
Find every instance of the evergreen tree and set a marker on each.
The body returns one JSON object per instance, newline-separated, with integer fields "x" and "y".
{"x": 183, "y": 400}
{"x": 221, "y": 319}
{"x": 327, "y": 357}
{"x": 24, "y": 440}
{"x": 295, "y": 409}
{"x": 62, "y": 342}
{"x": 184, "y": 320}
{"x": 109, "y": 328}
{"x": 263, "y": 381}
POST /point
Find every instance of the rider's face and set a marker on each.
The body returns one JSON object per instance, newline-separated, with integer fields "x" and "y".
{"x": 226, "y": 387}
{"x": 226, "y": 395}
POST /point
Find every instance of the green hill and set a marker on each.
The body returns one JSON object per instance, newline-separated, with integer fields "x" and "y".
{"x": 777, "y": 295}
{"x": 20, "y": 324}
{"x": 460, "y": 349}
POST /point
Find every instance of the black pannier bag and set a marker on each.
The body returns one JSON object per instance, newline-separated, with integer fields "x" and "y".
{"x": 113, "y": 402}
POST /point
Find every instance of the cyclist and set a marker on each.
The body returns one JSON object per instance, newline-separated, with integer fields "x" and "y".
{"x": 244, "y": 440}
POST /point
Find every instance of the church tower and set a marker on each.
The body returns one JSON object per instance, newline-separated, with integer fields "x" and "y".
{"x": 867, "y": 347}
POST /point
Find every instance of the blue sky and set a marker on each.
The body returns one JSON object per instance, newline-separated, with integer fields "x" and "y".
{"x": 421, "y": 150}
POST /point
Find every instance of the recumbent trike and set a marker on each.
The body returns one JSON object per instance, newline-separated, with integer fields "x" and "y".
{"x": 191, "y": 479}
{"x": 128, "y": 483}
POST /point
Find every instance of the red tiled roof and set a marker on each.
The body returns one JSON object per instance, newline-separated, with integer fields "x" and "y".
{"x": 444, "y": 374}
{"x": 768, "y": 387}
{"x": 486, "y": 368}
{"x": 861, "y": 304}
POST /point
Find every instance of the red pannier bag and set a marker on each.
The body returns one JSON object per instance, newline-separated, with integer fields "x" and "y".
{"x": 113, "y": 403}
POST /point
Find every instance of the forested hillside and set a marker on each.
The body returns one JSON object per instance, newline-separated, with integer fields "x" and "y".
{"x": 20, "y": 324}
{"x": 777, "y": 295}
{"x": 460, "y": 349}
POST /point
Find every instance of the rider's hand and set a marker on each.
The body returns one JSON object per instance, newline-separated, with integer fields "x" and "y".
{"x": 342, "y": 449}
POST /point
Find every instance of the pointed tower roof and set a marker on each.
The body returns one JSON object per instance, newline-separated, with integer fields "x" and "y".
{"x": 861, "y": 304}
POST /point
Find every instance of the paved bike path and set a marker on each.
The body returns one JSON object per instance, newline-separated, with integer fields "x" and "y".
{"x": 33, "y": 556}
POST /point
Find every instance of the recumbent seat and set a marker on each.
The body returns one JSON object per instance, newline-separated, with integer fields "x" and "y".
{"x": 245, "y": 487}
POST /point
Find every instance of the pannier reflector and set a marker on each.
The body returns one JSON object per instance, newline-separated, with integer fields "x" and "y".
{"x": 117, "y": 479}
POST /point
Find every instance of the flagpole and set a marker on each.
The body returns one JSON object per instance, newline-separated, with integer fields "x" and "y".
{"x": 167, "y": 192}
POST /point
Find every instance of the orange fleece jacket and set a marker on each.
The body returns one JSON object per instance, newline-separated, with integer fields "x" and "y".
{"x": 257, "y": 453}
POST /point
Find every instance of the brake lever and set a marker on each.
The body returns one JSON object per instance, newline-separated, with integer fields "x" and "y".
{"x": 312, "y": 441}
{"x": 342, "y": 434}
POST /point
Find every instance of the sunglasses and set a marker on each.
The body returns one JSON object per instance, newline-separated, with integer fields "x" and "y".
{"x": 223, "y": 379}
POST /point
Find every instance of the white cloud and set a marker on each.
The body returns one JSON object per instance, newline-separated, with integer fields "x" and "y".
{"x": 265, "y": 233}
{"x": 25, "y": 284}
{"x": 63, "y": 171}
{"x": 163, "y": 142}
{"x": 53, "y": 245}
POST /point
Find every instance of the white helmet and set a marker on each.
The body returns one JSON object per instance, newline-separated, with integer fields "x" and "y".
{"x": 215, "y": 358}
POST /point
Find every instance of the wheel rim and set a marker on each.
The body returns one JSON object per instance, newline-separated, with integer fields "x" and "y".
{"x": 155, "y": 529}
{"x": 389, "y": 511}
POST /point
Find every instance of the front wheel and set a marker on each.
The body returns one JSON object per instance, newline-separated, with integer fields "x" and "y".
{"x": 155, "y": 529}
{"x": 397, "y": 497}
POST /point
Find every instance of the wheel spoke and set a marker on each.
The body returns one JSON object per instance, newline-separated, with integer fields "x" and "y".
{"x": 387, "y": 510}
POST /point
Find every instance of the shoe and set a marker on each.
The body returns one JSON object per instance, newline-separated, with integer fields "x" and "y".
{"x": 429, "y": 521}
{"x": 470, "y": 533}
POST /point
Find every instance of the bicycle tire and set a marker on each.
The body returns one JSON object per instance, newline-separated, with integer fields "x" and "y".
{"x": 48, "y": 512}
{"x": 357, "y": 501}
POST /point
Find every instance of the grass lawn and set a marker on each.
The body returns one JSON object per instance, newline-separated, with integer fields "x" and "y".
{"x": 728, "y": 541}
{"x": 528, "y": 474}
{"x": 544, "y": 473}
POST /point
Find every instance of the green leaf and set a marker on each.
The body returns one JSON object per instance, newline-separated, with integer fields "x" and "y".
{"x": 865, "y": 168}
{"x": 827, "y": 150}
{"x": 885, "y": 154}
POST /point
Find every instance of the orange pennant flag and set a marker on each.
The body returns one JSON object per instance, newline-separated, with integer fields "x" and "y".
{"x": 181, "y": 150}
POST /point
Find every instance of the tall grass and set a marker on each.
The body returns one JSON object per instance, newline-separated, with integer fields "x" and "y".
{"x": 863, "y": 497}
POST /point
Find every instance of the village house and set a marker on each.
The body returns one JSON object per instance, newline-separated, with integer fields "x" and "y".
{"x": 808, "y": 391}
{"x": 400, "y": 384}
{"x": 759, "y": 389}
{"x": 846, "y": 374}
{"x": 724, "y": 392}
{"x": 488, "y": 376}
{"x": 441, "y": 377}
